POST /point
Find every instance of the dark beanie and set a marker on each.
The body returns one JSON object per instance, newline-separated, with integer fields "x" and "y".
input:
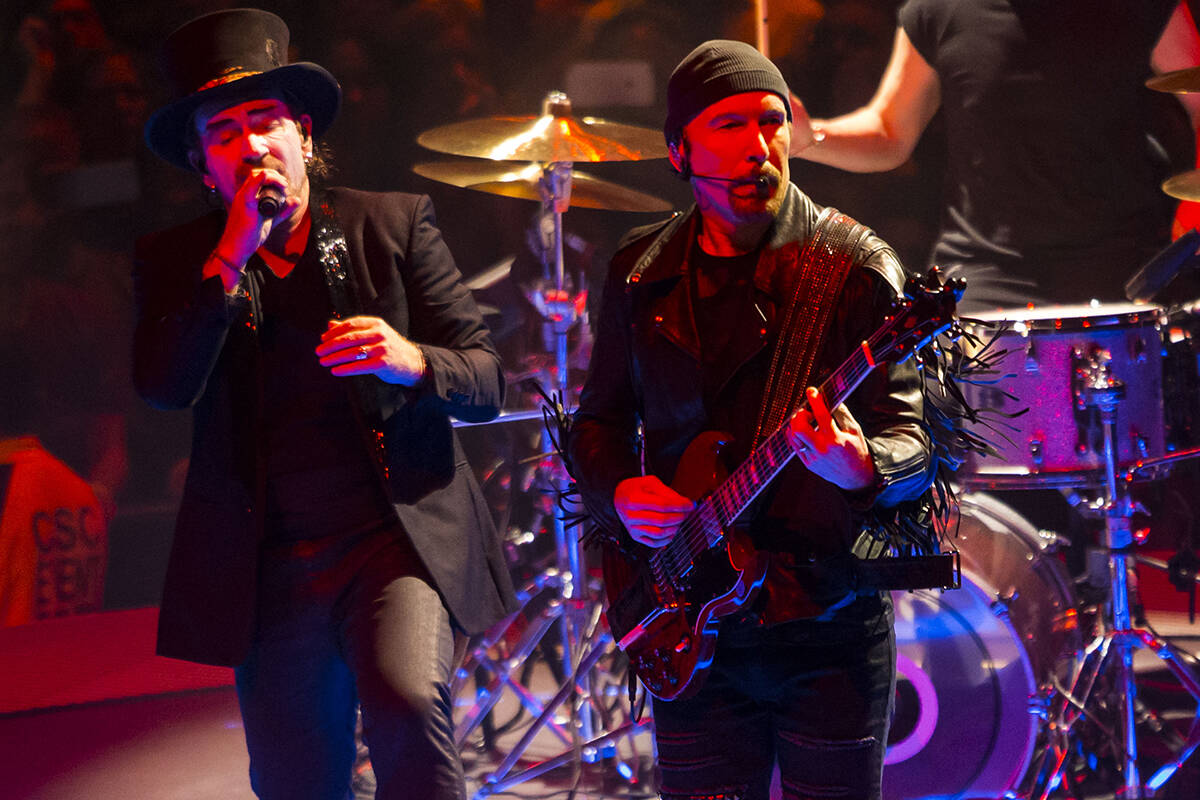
{"x": 713, "y": 71}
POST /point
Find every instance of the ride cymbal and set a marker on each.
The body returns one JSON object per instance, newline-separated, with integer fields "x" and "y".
{"x": 554, "y": 136}
{"x": 1184, "y": 186}
{"x": 523, "y": 182}
{"x": 1180, "y": 81}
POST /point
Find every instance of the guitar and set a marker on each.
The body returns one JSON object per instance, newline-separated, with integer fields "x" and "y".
{"x": 665, "y": 603}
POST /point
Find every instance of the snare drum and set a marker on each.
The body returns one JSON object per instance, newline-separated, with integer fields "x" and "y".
{"x": 1050, "y": 352}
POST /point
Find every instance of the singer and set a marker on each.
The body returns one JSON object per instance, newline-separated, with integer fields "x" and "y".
{"x": 332, "y": 544}
{"x": 692, "y": 312}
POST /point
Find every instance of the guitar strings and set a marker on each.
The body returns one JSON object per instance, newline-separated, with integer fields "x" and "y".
{"x": 691, "y": 539}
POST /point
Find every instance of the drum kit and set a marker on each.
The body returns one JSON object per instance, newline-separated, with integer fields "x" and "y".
{"x": 1006, "y": 686}
{"x": 533, "y": 158}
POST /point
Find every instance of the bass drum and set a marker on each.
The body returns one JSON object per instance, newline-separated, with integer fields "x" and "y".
{"x": 971, "y": 660}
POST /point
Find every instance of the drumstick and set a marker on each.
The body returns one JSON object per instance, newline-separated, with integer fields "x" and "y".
{"x": 760, "y": 27}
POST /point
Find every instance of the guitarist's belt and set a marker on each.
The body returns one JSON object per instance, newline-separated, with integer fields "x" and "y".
{"x": 868, "y": 575}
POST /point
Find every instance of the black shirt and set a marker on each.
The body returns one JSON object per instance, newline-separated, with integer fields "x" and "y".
{"x": 1051, "y": 174}
{"x": 722, "y": 293}
{"x": 320, "y": 479}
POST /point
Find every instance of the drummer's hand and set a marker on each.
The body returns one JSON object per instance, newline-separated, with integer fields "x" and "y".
{"x": 651, "y": 510}
{"x": 831, "y": 445}
{"x": 802, "y": 130}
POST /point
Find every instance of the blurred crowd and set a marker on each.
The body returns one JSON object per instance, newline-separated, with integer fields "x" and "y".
{"x": 77, "y": 185}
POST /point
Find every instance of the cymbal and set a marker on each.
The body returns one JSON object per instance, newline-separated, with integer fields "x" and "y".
{"x": 1178, "y": 82}
{"x": 556, "y": 135}
{"x": 1184, "y": 186}
{"x": 521, "y": 181}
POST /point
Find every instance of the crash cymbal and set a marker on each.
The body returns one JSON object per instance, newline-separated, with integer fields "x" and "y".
{"x": 1184, "y": 186}
{"x": 521, "y": 181}
{"x": 1178, "y": 82}
{"x": 556, "y": 135}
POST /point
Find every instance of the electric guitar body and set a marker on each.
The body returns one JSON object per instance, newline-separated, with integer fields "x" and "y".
{"x": 668, "y": 625}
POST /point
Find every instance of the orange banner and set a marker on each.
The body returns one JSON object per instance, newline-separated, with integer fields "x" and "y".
{"x": 53, "y": 537}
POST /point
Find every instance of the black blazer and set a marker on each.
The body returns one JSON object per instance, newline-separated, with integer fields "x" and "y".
{"x": 195, "y": 347}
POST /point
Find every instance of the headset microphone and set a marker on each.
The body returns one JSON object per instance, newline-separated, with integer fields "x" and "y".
{"x": 762, "y": 183}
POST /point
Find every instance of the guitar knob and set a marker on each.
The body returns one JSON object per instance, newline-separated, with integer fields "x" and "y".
{"x": 684, "y": 644}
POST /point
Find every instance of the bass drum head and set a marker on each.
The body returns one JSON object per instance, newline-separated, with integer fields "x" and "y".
{"x": 969, "y": 660}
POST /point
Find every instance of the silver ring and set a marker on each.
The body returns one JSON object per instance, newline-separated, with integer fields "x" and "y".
{"x": 801, "y": 447}
{"x": 361, "y": 355}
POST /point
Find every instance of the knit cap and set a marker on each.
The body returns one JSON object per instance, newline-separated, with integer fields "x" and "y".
{"x": 713, "y": 71}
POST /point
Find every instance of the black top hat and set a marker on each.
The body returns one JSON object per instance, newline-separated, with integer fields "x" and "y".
{"x": 233, "y": 55}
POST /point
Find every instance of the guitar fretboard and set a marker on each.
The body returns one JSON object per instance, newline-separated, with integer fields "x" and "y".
{"x": 704, "y": 527}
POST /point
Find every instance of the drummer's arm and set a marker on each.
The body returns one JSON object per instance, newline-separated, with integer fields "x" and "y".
{"x": 882, "y": 134}
{"x": 1179, "y": 48}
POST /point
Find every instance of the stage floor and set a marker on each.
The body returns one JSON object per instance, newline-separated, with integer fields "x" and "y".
{"x": 188, "y": 745}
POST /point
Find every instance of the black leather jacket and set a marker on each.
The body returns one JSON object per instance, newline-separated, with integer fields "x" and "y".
{"x": 646, "y": 372}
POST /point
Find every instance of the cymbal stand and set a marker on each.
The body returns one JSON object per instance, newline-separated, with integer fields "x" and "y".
{"x": 575, "y": 605}
{"x": 1113, "y": 648}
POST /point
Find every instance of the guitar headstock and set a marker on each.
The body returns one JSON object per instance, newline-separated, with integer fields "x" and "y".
{"x": 926, "y": 311}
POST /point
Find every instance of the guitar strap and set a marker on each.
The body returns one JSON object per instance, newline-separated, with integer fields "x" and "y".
{"x": 821, "y": 270}
{"x": 823, "y": 266}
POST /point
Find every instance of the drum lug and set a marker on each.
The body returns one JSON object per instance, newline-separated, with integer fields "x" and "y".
{"x": 1037, "y": 450}
{"x": 1001, "y": 605}
{"x": 1039, "y": 703}
{"x": 1140, "y": 445}
{"x": 1031, "y": 358}
{"x": 1137, "y": 351}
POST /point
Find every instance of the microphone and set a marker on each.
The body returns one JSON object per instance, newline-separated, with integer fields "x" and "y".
{"x": 270, "y": 201}
{"x": 762, "y": 183}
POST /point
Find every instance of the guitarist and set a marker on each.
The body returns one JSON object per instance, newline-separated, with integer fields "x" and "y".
{"x": 803, "y": 674}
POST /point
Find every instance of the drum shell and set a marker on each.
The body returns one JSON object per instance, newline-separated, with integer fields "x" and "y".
{"x": 971, "y": 660}
{"x": 1059, "y": 439}
{"x": 1181, "y": 378}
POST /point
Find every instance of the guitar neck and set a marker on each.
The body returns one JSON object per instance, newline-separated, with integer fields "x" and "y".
{"x": 767, "y": 460}
{"x": 926, "y": 311}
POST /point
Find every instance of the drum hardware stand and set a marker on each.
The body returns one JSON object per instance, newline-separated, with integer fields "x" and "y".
{"x": 1115, "y": 645}
{"x": 575, "y": 605}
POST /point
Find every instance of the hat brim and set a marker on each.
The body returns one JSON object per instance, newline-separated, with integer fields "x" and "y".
{"x": 167, "y": 129}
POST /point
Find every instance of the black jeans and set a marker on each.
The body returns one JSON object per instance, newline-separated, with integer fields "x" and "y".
{"x": 342, "y": 620}
{"x": 815, "y": 698}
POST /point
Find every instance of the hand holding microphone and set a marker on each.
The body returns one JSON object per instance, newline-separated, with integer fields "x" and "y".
{"x": 256, "y": 208}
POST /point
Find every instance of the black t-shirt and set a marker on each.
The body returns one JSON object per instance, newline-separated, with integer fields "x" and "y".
{"x": 721, "y": 296}
{"x": 320, "y": 479}
{"x": 1051, "y": 174}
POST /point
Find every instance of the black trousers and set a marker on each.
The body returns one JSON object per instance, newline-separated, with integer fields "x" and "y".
{"x": 814, "y": 698}
{"x": 344, "y": 620}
